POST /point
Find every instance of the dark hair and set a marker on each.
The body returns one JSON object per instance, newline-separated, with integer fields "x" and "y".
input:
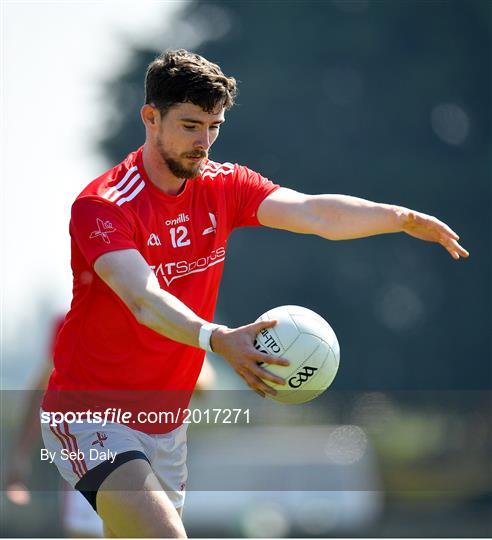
{"x": 179, "y": 76}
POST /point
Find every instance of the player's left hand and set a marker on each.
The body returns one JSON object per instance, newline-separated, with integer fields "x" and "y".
{"x": 431, "y": 229}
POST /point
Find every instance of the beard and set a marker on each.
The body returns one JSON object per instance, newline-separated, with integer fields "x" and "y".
{"x": 177, "y": 166}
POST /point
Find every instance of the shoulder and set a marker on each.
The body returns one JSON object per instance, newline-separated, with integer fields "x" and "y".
{"x": 213, "y": 169}
{"x": 227, "y": 173}
{"x": 117, "y": 186}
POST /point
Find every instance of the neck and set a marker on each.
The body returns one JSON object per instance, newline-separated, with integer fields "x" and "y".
{"x": 159, "y": 173}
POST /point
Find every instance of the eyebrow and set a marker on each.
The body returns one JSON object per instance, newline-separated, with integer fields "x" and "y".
{"x": 192, "y": 121}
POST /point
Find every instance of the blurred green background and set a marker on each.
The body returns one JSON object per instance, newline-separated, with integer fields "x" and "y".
{"x": 390, "y": 101}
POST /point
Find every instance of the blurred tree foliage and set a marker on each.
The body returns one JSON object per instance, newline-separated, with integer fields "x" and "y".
{"x": 387, "y": 100}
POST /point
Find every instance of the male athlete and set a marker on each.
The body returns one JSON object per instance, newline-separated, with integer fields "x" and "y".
{"x": 149, "y": 239}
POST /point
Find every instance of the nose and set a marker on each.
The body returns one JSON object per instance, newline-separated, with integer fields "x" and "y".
{"x": 203, "y": 141}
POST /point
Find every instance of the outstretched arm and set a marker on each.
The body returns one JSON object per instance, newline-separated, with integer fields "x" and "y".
{"x": 341, "y": 217}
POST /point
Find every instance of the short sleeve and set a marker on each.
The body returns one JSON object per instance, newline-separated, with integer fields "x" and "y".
{"x": 249, "y": 190}
{"x": 99, "y": 227}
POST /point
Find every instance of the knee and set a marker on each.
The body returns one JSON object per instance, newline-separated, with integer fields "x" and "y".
{"x": 107, "y": 532}
{"x": 168, "y": 529}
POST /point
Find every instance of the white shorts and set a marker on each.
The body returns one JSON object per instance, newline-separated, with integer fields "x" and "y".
{"x": 78, "y": 448}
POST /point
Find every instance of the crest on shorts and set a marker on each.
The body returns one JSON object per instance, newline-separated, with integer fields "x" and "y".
{"x": 101, "y": 437}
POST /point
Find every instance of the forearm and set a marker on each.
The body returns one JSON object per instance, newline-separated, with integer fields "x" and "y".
{"x": 165, "y": 314}
{"x": 129, "y": 276}
{"x": 341, "y": 217}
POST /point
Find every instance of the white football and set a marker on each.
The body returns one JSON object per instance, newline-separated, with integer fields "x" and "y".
{"x": 309, "y": 343}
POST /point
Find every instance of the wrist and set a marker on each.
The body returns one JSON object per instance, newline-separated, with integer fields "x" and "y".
{"x": 205, "y": 335}
{"x": 215, "y": 338}
{"x": 401, "y": 217}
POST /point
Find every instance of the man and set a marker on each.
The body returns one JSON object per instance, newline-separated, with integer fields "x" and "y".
{"x": 148, "y": 245}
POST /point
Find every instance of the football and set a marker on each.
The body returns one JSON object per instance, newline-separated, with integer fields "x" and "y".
{"x": 309, "y": 343}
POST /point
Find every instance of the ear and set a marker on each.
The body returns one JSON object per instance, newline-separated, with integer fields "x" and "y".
{"x": 149, "y": 116}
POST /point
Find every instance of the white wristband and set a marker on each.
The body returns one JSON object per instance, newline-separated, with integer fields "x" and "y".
{"x": 205, "y": 335}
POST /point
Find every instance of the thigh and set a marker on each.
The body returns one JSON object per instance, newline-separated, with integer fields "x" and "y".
{"x": 131, "y": 503}
{"x": 169, "y": 464}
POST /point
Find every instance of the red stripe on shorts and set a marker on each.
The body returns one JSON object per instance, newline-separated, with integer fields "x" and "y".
{"x": 72, "y": 449}
{"x": 72, "y": 437}
{"x": 63, "y": 443}
{"x": 74, "y": 461}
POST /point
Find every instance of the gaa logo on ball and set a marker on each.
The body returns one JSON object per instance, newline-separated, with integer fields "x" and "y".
{"x": 309, "y": 343}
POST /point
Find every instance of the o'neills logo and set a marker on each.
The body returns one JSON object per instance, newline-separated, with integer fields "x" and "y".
{"x": 182, "y": 218}
{"x": 268, "y": 343}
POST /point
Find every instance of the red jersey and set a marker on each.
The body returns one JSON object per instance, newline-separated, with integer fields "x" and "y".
{"x": 55, "y": 330}
{"x": 183, "y": 238}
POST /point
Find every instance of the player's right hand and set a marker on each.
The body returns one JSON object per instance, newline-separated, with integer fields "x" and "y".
{"x": 236, "y": 345}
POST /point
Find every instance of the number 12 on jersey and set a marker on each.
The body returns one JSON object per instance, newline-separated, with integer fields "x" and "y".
{"x": 179, "y": 236}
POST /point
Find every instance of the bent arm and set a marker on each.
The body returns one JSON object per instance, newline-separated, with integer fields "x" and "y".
{"x": 127, "y": 273}
{"x": 342, "y": 217}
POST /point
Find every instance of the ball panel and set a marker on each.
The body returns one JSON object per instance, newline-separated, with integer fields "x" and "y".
{"x": 310, "y": 325}
{"x": 329, "y": 370}
{"x": 304, "y": 312}
{"x": 286, "y": 330}
{"x": 303, "y": 347}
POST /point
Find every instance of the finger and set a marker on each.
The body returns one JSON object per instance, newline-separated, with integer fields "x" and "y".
{"x": 265, "y": 374}
{"x": 449, "y": 231}
{"x": 261, "y": 358}
{"x": 450, "y": 249}
{"x": 257, "y": 384}
{"x": 260, "y": 325}
{"x": 266, "y": 389}
{"x": 462, "y": 251}
{"x": 453, "y": 234}
{"x": 455, "y": 249}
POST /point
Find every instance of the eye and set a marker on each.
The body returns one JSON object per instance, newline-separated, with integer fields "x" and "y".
{"x": 215, "y": 127}
{"x": 191, "y": 127}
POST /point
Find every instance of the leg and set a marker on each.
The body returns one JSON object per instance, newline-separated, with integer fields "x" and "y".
{"x": 108, "y": 533}
{"x": 131, "y": 503}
